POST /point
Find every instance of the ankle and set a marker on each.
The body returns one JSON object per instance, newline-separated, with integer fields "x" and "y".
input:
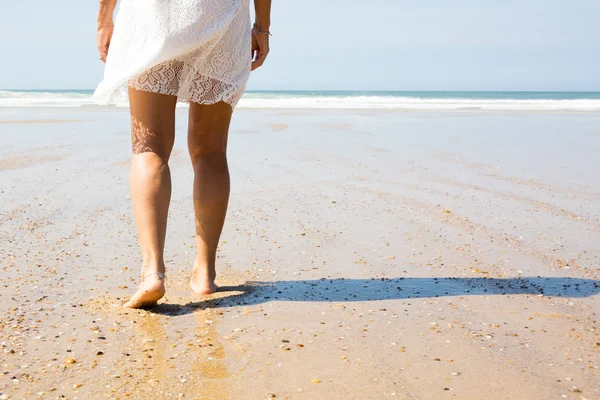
{"x": 153, "y": 268}
{"x": 203, "y": 265}
{"x": 155, "y": 276}
{"x": 203, "y": 260}
{"x": 204, "y": 272}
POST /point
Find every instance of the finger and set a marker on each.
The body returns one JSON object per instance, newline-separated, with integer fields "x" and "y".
{"x": 103, "y": 53}
{"x": 259, "y": 61}
{"x": 254, "y": 48}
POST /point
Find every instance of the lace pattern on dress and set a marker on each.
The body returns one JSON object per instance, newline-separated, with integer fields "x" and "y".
{"x": 197, "y": 50}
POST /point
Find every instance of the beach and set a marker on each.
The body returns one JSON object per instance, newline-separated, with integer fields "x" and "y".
{"x": 367, "y": 254}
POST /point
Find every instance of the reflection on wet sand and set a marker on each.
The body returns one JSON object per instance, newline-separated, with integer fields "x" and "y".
{"x": 153, "y": 345}
{"x": 210, "y": 367}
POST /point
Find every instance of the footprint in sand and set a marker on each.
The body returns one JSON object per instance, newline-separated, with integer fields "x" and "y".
{"x": 278, "y": 127}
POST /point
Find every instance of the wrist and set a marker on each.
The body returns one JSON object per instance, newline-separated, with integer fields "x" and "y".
{"x": 262, "y": 25}
{"x": 105, "y": 15}
{"x": 102, "y": 22}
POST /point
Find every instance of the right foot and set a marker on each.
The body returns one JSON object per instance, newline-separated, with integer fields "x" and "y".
{"x": 202, "y": 282}
{"x": 150, "y": 291}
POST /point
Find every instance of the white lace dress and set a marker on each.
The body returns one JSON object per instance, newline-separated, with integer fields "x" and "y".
{"x": 197, "y": 50}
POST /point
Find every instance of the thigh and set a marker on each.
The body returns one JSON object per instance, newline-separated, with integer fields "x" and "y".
{"x": 208, "y": 128}
{"x": 152, "y": 122}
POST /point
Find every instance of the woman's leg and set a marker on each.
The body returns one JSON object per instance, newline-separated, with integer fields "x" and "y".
{"x": 207, "y": 143}
{"x": 152, "y": 137}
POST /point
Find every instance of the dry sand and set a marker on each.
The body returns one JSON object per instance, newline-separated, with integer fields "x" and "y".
{"x": 365, "y": 256}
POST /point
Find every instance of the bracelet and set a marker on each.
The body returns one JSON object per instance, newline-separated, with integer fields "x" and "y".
{"x": 255, "y": 29}
{"x": 106, "y": 26}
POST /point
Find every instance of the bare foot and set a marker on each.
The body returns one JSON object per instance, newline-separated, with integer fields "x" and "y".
{"x": 150, "y": 291}
{"x": 202, "y": 282}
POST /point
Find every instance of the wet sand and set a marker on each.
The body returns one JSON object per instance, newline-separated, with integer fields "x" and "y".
{"x": 38, "y": 121}
{"x": 366, "y": 255}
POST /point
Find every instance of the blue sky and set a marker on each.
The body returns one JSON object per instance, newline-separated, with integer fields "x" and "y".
{"x": 348, "y": 44}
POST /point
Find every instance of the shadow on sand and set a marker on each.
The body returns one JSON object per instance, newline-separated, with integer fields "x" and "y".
{"x": 344, "y": 290}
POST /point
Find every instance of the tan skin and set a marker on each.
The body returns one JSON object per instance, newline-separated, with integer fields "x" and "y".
{"x": 153, "y": 135}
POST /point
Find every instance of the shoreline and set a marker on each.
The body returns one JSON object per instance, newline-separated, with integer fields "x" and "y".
{"x": 401, "y": 101}
{"x": 353, "y": 111}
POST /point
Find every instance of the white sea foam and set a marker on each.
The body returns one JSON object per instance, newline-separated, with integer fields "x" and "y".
{"x": 44, "y": 99}
{"x": 288, "y": 101}
{"x": 416, "y": 104}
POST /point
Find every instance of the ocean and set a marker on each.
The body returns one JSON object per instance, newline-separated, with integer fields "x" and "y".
{"x": 350, "y": 100}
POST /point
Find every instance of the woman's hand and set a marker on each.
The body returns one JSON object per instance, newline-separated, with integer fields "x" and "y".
{"x": 103, "y": 38}
{"x": 260, "y": 47}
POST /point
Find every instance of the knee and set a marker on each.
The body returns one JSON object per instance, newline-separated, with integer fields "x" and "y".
{"x": 213, "y": 163}
{"x": 206, "y": 146}
{"x": 149, "y": 164}
{"x": 208, "y": 151}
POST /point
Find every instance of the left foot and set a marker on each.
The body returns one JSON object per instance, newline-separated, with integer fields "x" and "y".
{"x": 202, "y": 281}
{"x": 150, "y": 291}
